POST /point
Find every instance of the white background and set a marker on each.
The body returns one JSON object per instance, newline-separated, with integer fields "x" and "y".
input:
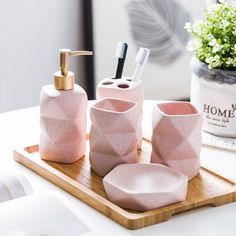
{"x": 32, "y": 32}
{"x": 111, "y": 26}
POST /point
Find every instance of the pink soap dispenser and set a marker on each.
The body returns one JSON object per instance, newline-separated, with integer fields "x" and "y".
{"x": 63, "y": 108}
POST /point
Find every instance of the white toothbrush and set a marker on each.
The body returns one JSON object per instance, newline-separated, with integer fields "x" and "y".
{"x": 141, "y": 60}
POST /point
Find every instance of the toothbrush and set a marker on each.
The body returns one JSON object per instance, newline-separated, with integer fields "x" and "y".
{"x": 141, "y": 60}
{"x": 121, "y": 51}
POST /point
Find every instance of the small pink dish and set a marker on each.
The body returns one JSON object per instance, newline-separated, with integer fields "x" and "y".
{"x": 145, "y": 187}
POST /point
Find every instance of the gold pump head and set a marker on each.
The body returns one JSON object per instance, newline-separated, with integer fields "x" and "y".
{"x": 64, "y": 79}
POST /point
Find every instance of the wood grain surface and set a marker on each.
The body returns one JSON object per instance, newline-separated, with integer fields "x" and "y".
{"x": 206, "y": 189}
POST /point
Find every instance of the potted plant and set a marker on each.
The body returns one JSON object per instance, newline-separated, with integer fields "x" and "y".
{"x": 213, "y": 88}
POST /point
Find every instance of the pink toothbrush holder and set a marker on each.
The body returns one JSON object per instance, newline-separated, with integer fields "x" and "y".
{"x": 176, "y": 137}
{"x": 113, "y": 134}
{"x": 124, "y": 88}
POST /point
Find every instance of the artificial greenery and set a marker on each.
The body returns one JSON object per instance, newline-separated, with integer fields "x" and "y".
{"x": 215, "y": 38}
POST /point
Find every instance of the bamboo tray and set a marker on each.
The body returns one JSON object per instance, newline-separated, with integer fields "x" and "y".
{"x": 206, "y": 189}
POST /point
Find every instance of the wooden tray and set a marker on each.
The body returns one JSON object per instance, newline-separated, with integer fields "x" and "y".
{"x": 206, "y": 189}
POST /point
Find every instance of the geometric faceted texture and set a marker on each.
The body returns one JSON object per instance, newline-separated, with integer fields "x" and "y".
{"x": 145, "y": 187}
{"x": 176, "y": 137}
{"x": 113, "y": 134}
{"x": 124, "y": 88}
{"x": 63, "y": 124}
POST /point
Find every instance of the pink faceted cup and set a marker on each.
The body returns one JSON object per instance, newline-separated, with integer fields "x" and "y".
{"x": 176, "y": 137}
{"x": 113, "y": 134}
{"x": 124, "y": 88}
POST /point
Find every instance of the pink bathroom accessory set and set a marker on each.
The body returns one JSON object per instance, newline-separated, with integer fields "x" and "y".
{"x": 116, "y": 138}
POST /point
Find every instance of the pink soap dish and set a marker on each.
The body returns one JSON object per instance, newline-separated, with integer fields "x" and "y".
{"x": 145, "y": 187}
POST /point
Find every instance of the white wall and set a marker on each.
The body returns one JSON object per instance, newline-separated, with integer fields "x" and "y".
{"x": 32, "y": 32}
{"x": 111, "y": 25}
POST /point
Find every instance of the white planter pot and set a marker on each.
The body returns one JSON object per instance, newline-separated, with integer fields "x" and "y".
{"x": 214, "y": 93}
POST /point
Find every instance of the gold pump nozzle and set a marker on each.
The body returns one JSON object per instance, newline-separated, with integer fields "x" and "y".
{"x": 64, "y": 79}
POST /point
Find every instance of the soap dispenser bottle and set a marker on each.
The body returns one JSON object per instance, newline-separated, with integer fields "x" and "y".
{"x": 63, "y": 109}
